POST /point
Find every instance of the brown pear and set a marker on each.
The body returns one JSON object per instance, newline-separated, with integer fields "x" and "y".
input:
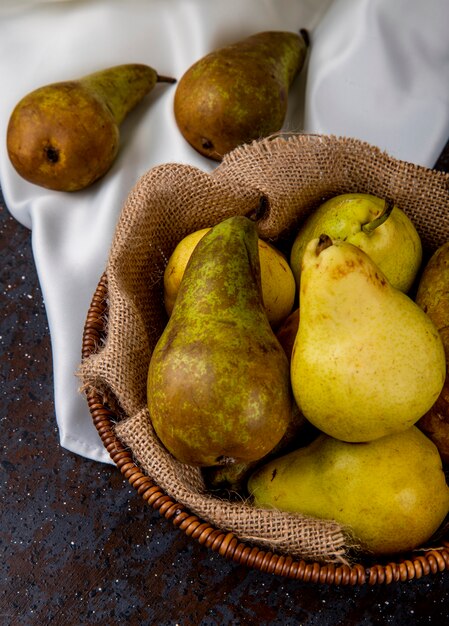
{"x": 287, "y": 331}
{"x": 433, "y": 297}
{"x": 65, "y": 135}
{"x": 239, "y": 93}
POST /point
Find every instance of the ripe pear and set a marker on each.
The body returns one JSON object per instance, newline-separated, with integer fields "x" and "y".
{"x": 433, "y": 297}
{"x": 239, "y": 93}
{"x": 64, "y": 136}
{"x": 278, "y": 282}
{"x": 367, "y": 361}
{"x": 218, "y": 381}
{"x": 391, "y": 493}
{"x": 375, "y": 225}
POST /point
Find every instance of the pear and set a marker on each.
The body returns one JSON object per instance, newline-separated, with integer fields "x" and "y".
{"x": 218, "y": 381}
{"x": 176, "y": 265}
{"x": 433, "y": 297}
{"x": 64, "y": 136}
{"x": 278, "y": 282}
{"x": 376, "y": 225}
{"x": 239, "y": 93}
{"x": 390, "y": 493}
{"x": 367, "y": 361}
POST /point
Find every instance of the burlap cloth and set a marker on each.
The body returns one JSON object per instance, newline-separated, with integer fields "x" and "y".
{"x": 277, "y": 182}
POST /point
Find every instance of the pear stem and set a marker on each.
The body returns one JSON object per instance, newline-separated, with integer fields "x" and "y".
{"x": 165, "y": 79}
{"x": 380, "y": 219}
{"x": 324, "y": 241}
{"x": 305, "y": 35}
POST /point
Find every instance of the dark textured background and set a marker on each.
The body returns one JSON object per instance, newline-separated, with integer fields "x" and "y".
{"x": 79, "y": 546}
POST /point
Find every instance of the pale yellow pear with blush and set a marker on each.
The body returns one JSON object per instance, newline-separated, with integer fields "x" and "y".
{"x": 367, "y": 361}
{"x": 390, "y": 494}
{"x": 278, "y": 282}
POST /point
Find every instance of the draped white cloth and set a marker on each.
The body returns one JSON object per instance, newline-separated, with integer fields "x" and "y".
{"x": 377, "y": 70}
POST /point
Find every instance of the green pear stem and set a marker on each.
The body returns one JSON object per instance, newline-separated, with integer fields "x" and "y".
{"x": 369, "y": 227}
{"x": 324, "y": 241}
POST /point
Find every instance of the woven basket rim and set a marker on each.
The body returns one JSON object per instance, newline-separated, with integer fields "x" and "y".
{"x": 404, "y": 568}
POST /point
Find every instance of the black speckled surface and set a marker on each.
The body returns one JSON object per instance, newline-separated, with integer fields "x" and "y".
{"x": 78, "y": 545}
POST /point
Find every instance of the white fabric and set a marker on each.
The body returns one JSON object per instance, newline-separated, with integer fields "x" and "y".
{"x": 378, "y": 70}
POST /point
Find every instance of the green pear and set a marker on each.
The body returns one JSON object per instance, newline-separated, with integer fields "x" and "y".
{"x": 239, "y": 93}
{"x": 391, "y": 493}
{"x": 65, "y": 135}
{"x": 218, "y": 381}
{"x": 374, "y": 225}
{"x": 367, "y": 361}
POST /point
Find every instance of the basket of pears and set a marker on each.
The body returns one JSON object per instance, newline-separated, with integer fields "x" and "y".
{"x": 274, "y": 357}
{"x": 264, "y": 357}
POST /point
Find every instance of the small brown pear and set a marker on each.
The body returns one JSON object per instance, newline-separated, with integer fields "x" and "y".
{"x": 65, "y": 135}
{"x": 239, "y": 93}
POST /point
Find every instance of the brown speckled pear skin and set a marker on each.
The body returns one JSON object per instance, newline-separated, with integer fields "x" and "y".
{"x": 433, "y": 297}
{"x": 64, "y": 136}
{"x": 239, "y": 93}
{"x": 218, "y": 381}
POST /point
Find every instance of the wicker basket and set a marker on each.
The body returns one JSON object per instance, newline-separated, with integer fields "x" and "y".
{"x": 406, "y": 567}
{"x": 352, "y": 166}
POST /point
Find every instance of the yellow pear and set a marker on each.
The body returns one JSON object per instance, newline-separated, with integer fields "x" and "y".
{"x": 391, "y": 493}
{"x": 376, "y": 225}
{"x": 367, "y": 361}
{"x": 174, "y": 270}
{"x": 278, "y": 283}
